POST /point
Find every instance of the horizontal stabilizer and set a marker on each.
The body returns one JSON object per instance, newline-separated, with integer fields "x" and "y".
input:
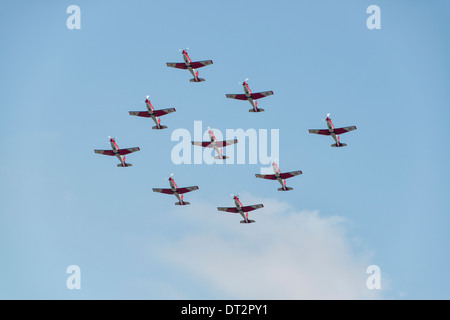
{"x": 160, "y": 127}
{"x": 197, "y": 80}
{"x": 257, "y": 110}
{"x": 220, "y": 157}
{"x": 248, "y": 221}
{"x": 126, "y": 165}
{"x": 340, "y": 145}
{"x": 184, "y": 203}
{"x": 286, "y": 189}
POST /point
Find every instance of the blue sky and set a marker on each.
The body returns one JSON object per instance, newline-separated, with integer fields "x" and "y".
{"x": 382, "y": 200}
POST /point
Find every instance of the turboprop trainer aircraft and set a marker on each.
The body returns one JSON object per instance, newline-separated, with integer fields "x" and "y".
{"x": 213, "y": 143}
{"x": 241, "y": 209}
{"x": 118, "y": 152}
{"x": 332, "y": 131}
{"x": 190, "y": 65}
{"x": 281, "y": 177}
{"x": 250, "y": 96}
{"x": 152, "y": 113}
{"x": 178, "y": 192}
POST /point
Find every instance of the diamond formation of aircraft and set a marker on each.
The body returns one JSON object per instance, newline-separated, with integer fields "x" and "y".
{"x": 190, "y": 65}
{"x": 119, "y": 153}
{"x": 250, "y": 97}
{"x": 178, "y": 192}
{"x": 152, "y": 113}
{"x": 281, "y": 177}
{"x": 242, "y": 210}
{"x": 213, "y": 143}
{"x": 332, "y": 131}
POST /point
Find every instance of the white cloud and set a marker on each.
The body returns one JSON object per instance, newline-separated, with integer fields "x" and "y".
{"x": 286, "y": 254}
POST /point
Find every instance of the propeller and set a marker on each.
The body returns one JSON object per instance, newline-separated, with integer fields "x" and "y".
{"x": 235, "y": 195}
{"x": 328, "y": 115}
{"x": 246, "y": 79}
{"x": 109, "y": 137}
{"x": 184, "y": 49}
{"x": 171, "y": 175}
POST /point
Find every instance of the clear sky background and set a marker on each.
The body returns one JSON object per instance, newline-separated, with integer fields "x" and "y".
{"x": 383, "y": 200}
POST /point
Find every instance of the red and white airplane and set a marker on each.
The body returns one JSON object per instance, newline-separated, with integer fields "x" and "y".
{"x": 152, "y": 113}
{"x": 119, "y": 153}
{"x": 241, "y": 209}
{"x": 281, "y": 177}
{"x": 334, "y": 132}
{"x": 178, "y": 192}
{"x": 190, "y": 65}
{"x": 213, "y": 143}
{"x": 251, "y": 97}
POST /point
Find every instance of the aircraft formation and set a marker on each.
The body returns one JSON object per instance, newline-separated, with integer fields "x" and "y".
{"x": 218, "y": 146}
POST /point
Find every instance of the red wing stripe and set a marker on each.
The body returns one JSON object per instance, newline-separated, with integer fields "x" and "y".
{"x": 221, "y": 144}
{"x": 181, "y": 65}
{"x": 232, "y": 210}
{"x": 200, "y": 64}
{"x": 140, "y": 114}
{"x": 344, "y": 130}
{"x": 128, "y": 150}
{"x": 162, "y": 112}
{"x": 166, "y": 191}
{"x": 105, "y": 152}
{"x": 324, "y": 132}
{"x": 288, "y": 175}
{"x": 266, "y": 176}
{"x": 260, "y": 95}
{"x": 187, "y": 189}
{"x": 251, "y": 208}
{"x": 237, "y": 96}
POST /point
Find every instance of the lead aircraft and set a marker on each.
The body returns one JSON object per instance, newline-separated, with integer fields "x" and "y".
{"x": 250, "y": 97}
{"x": 281, "y": 177}
{"x": 334, "y": 132}
{"x": 243, "y": 211}
{"x": 152, "y": 113}
{"x": 119, "y": 153}
{"x": 178, "y": 192}
{"x": 190, "y": 65}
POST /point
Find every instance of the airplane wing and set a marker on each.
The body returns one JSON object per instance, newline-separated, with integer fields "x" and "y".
{"x": 260, "y": 95}
{"x": 226, "y": 209}
{"x": 140, "y": 114}
{"x": 221, "y": 144}
{"x": 204, "y": 144}
{"x": 237, "y": 96}
{"x": 324, "y": 132}
{"x": 253, "y": 207}
{"x": 166, "y": 191}
{"x": 163, "y": 112}
{"x": 105, "y": 152}
{"x": 291, "y": 174}
{"x": 199, "y": 64}
{"x": 266, "y": 176}
{"x": 180, "y": 65}
{"x": 344, "y": 130}
{"x": 186, "y": 189}
{"x": 128, "y": 150}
